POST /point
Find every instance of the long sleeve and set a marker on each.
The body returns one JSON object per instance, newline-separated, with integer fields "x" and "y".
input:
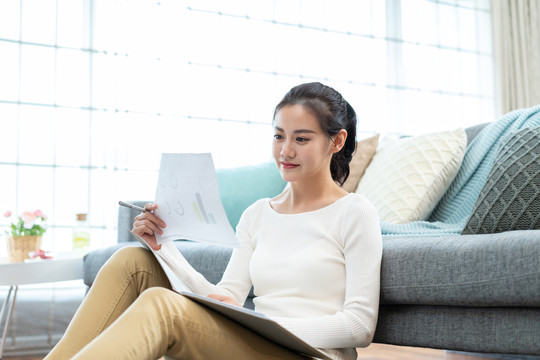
{"x": 192, "y": 279}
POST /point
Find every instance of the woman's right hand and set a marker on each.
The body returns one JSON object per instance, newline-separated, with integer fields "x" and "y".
{"x": 147, "y": 225}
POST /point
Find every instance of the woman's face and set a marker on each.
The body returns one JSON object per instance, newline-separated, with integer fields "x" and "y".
{"x": 301, "y": 150}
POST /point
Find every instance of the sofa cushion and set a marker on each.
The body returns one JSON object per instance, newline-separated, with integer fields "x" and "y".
{"x": 462, "y": 270}
{"x": 408, "y": 176}
{"x": 510, "y": 199}
{"x": 242, "y": 186}
{"x": 459, "y": 270}
{"x": 365, "y": 149}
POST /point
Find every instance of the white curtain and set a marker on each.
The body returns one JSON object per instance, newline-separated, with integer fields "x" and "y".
{"x": 516, "y": 33}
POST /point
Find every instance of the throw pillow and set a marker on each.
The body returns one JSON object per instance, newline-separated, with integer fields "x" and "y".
{"x": 408, "y": 176}
{"x": 510, "y": 199}
{"x": 365, "y": 149}
{"x": 242, "y": 186}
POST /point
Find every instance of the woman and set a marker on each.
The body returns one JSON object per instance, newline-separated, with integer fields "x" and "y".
{"x": 312, "y": 254}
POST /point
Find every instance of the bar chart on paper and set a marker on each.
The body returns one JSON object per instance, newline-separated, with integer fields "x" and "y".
{"x": 200, "y": 211}
{"x": 189, "y": 203}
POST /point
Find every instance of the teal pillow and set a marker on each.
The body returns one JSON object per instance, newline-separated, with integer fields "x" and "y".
{"x": 240, "y": 187}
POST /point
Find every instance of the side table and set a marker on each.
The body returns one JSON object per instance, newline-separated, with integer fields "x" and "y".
{"x": 35, "y": 272}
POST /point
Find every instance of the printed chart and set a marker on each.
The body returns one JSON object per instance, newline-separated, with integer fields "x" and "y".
{"x": 198, "y": 207}
{"x": 188, "y": 201}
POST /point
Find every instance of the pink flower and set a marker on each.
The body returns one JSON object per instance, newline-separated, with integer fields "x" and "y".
{"x": 7, "y": 214}
{"x": 28, "y": 216}
{"x": 38, "y": 213}
{"x": 28, "y": 219}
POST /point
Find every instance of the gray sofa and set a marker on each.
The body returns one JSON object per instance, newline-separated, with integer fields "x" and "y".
{"x": 474, "y": 293}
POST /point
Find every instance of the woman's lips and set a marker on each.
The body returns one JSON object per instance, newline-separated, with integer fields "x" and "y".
{"x": 287, "y": 165}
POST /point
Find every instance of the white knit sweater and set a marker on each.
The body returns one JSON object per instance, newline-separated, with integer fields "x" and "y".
{"x": 316, "y": 273}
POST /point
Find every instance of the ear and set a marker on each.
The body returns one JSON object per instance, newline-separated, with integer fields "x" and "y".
{"x": 338, "y": 141}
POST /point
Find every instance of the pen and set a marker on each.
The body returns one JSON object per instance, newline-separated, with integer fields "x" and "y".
{"x": 135, "y": 207}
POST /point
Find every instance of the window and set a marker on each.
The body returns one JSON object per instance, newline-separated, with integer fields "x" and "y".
{"x": 93, "y": 91}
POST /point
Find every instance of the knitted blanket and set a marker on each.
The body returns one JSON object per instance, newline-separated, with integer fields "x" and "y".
{"x": 453, "y": 210}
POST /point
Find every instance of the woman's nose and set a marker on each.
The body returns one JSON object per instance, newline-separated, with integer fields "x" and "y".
{"x": 287, "y": 150}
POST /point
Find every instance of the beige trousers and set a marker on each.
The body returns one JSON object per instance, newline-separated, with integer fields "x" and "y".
{"x": 131, "y": 313}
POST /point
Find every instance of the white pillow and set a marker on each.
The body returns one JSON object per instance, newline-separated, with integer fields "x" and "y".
{"x": 407, "y": 177}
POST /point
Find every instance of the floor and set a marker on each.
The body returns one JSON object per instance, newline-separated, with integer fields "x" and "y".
{"x": 383, "y": 352}
{"x": 389, "y": 352}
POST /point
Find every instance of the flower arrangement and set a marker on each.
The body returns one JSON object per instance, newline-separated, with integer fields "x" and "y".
{"x": 27, "y": 224}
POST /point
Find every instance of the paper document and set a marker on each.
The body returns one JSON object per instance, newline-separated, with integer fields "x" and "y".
{"x": 188, "y": 200}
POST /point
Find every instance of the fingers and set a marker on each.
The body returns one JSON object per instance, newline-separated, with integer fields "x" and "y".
{"x": 147, "y": 235}
{"x": 147, "y": 225}
{"x": 151, "y": 241}
{"x": 225, "y": 299}
{"x": 150, "y": 220}
{"x": 142, "y": 227}
{"x": 150, "y": 206}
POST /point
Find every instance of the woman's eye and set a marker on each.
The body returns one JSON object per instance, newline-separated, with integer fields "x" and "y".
{"x": 278, "y": 137}
{"x": 300, "y": 139}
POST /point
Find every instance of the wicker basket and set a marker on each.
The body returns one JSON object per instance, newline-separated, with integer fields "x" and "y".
{"x": 19, "y": 246}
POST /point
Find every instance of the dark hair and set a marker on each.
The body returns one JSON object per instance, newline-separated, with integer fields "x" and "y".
{"x": 334, "y": 113}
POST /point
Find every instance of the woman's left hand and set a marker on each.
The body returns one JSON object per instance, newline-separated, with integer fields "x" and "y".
{"x": 226, "y": 299}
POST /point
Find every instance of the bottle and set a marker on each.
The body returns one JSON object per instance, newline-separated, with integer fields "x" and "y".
{"x": 81, "y": 234}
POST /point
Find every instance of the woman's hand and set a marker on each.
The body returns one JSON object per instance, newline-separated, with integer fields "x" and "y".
{"x": 147, "y": 224}
{"x": 226, "y": 299}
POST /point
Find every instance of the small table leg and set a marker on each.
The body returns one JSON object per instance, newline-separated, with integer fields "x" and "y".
{"x": 9, "y": 305}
